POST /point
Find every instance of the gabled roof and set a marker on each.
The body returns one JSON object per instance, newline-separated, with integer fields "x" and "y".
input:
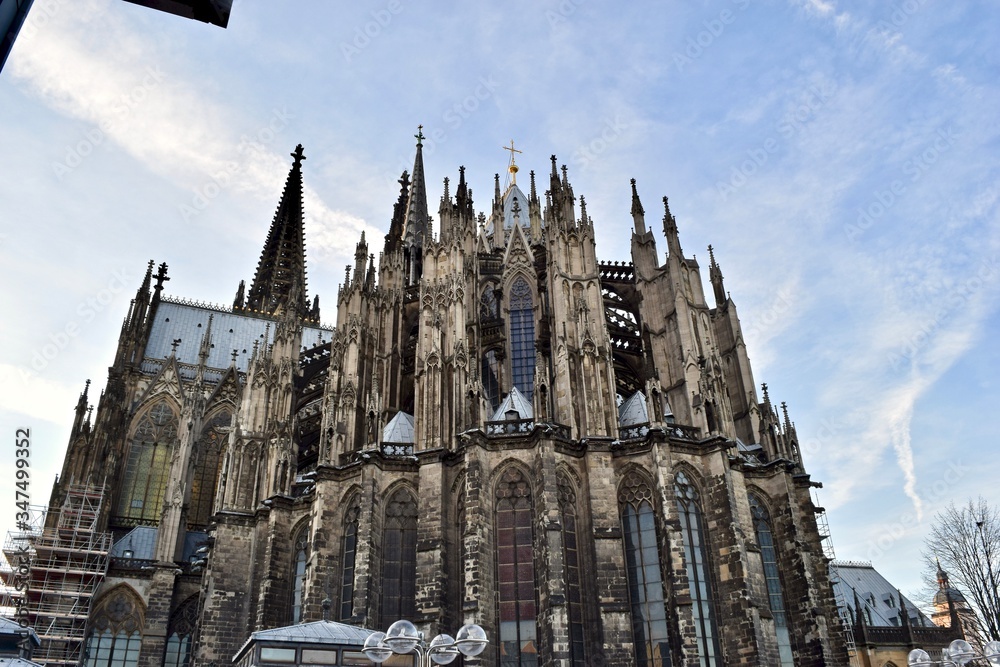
{"x": 515, "y": 401}
{"x": 861, "y": 578}
{"x": 399, "y": 429}
{"x": 9, "y": 627}
{"x": 633, "y": 410}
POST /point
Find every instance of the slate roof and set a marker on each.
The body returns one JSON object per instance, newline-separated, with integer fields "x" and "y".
{"x": 399, "y": 429}
{"x": 317, "y": 632}
{"x": 875, "y": 592}
{"x": 516, "y": 401}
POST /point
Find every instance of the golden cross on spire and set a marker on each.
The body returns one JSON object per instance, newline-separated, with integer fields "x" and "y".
{"x": 512, "y": 167}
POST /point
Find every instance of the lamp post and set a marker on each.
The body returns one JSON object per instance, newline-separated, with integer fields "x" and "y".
{"x": 958, "y": 654}
{"x": 402, "y": 637}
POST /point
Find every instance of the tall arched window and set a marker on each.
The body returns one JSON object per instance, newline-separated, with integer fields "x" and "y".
{"x": 180, "y": 634}
{"x": 115, "y": 628}
{"x": 349, "y": 553}
{"x": 696, "y": 556}
{"x": 207, "y": 455}
{"x": 516, "y": 571}
{"x": 399, "y": 559}
{"x": 769, "y": 558}
{"x": 491, "y": 377}
{"x": 522, "y": 337}
{"x": 645, "y": 579}
{"x": 299, "y": 562}
{"x": 571, "y": 560}
{"x": 147, "y": 468}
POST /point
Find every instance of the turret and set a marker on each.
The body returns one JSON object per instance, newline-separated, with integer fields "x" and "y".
{"x": 715, "y": 275}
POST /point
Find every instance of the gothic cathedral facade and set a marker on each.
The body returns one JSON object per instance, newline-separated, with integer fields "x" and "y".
{"x": 501, "y": 428}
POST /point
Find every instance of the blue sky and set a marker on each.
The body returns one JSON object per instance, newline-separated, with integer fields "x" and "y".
{"x": 840, "y": 156}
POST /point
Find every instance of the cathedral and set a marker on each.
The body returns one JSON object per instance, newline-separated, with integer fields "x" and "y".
{"x": 501, "y": 428}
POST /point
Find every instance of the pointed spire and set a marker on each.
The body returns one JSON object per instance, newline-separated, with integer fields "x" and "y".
{"x": 395, "y": 235}
{"x": 533, "y": 197}
{"x": 497, "y": 199}
{"x": 82, "y": 408}
{"x": 416, "y": 224}
{"x": 767, "y": 398}
{"x": 715, "y": 275}
{"x": 638, "y": 214}
{"x": 240, "y": 296}
{"x": 583, "y": 211}
{"x": 670, "y": 232}
{"x": 283, "y": 259}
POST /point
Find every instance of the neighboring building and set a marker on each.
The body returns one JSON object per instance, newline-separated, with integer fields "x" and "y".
{"x": 12, "y": 15}
{"x": 886, "y": 625}
{"x": 951, "y": 609}
{"x": 501, "y": 429}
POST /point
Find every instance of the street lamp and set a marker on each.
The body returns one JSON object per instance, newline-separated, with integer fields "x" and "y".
{"x": 958, "y": 654}
{"x": 402, "y": 637}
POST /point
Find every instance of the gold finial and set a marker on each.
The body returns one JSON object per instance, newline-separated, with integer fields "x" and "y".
{"x": 512, "y": 168}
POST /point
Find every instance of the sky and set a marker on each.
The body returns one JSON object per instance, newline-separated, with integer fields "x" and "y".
{"x": 841, "y": 157}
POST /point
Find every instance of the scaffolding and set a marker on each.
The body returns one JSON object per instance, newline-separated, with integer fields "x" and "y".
{"x": 68, "y": 560}
{"x": 846, "y": 622}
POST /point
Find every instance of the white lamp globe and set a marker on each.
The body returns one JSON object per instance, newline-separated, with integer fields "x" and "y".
{"x": 960, "y": 651}
{"x": 471, "y": 640}
{"x": 992, "y": 653}
{"x": 376, "y": 649}
{"x": 442, "y": 650}
{"x": 919, "y": 658}
{"x": 402, "y": 637}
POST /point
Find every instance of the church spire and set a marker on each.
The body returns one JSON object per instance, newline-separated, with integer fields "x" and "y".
{"x": 670, "y": 231}
{"x": 283, "y": 260}
{"x": 715, "y": 275}
{"x": 416, "y": 223}
{"x": 638, "y": 214}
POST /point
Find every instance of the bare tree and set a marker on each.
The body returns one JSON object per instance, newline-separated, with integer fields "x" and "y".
{"x": 966, "y": 540}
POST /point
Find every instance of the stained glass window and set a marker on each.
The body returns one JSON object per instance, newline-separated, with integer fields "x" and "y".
{"x": 650, "y": 635}
{"x": 348, "y": 555}
{"x": 522, "y": 337}
{"x": 207, "y": 455}
{"x": 769, "y": 558}
{"x": 299, "y": 574}
{"x": 696, "y": 556}
{"x": 115, "y": 627}
{"x": 571, "y": 560}
{"x": 399, "y": 559}
{"x": 516, "y": 571}
{"x": 491, "y": 378}
{"x": 147, "y": 467}
{"x": 180, "y": 634}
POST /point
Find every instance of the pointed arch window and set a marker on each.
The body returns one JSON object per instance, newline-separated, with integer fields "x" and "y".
{"x": 696, "y": 557}
{"x": 522, "y": 337}
{"x": 207, "y": 455}
{"x": 349, "y": 552}
{"x": 147, "y": 467}
{"x": 769, "y": 558}
{"x": 650, "y": 635}
{"x": 115, "y": 635}
{"x": 516, "y": 571}
{"x": 299, "y": 566}
{"x": 399, "y": 559}
{"x": 180, "y": 634}
{"x": 571, "y": 560}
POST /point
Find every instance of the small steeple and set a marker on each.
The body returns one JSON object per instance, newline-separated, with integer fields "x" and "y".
{"x": 82, "y": 410}
{"x": 416, "y": 225}
{"x": 715, "y": 275}
{"x": 283, "y": 259}
{"x": 670, "y": 232}
{"x": 395, "y": 235}
{"x": 583, "y": 212}
{"x": 240, "y": 296}
{"x": 638, "y": 214}
{"x": 497, "y": 198}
